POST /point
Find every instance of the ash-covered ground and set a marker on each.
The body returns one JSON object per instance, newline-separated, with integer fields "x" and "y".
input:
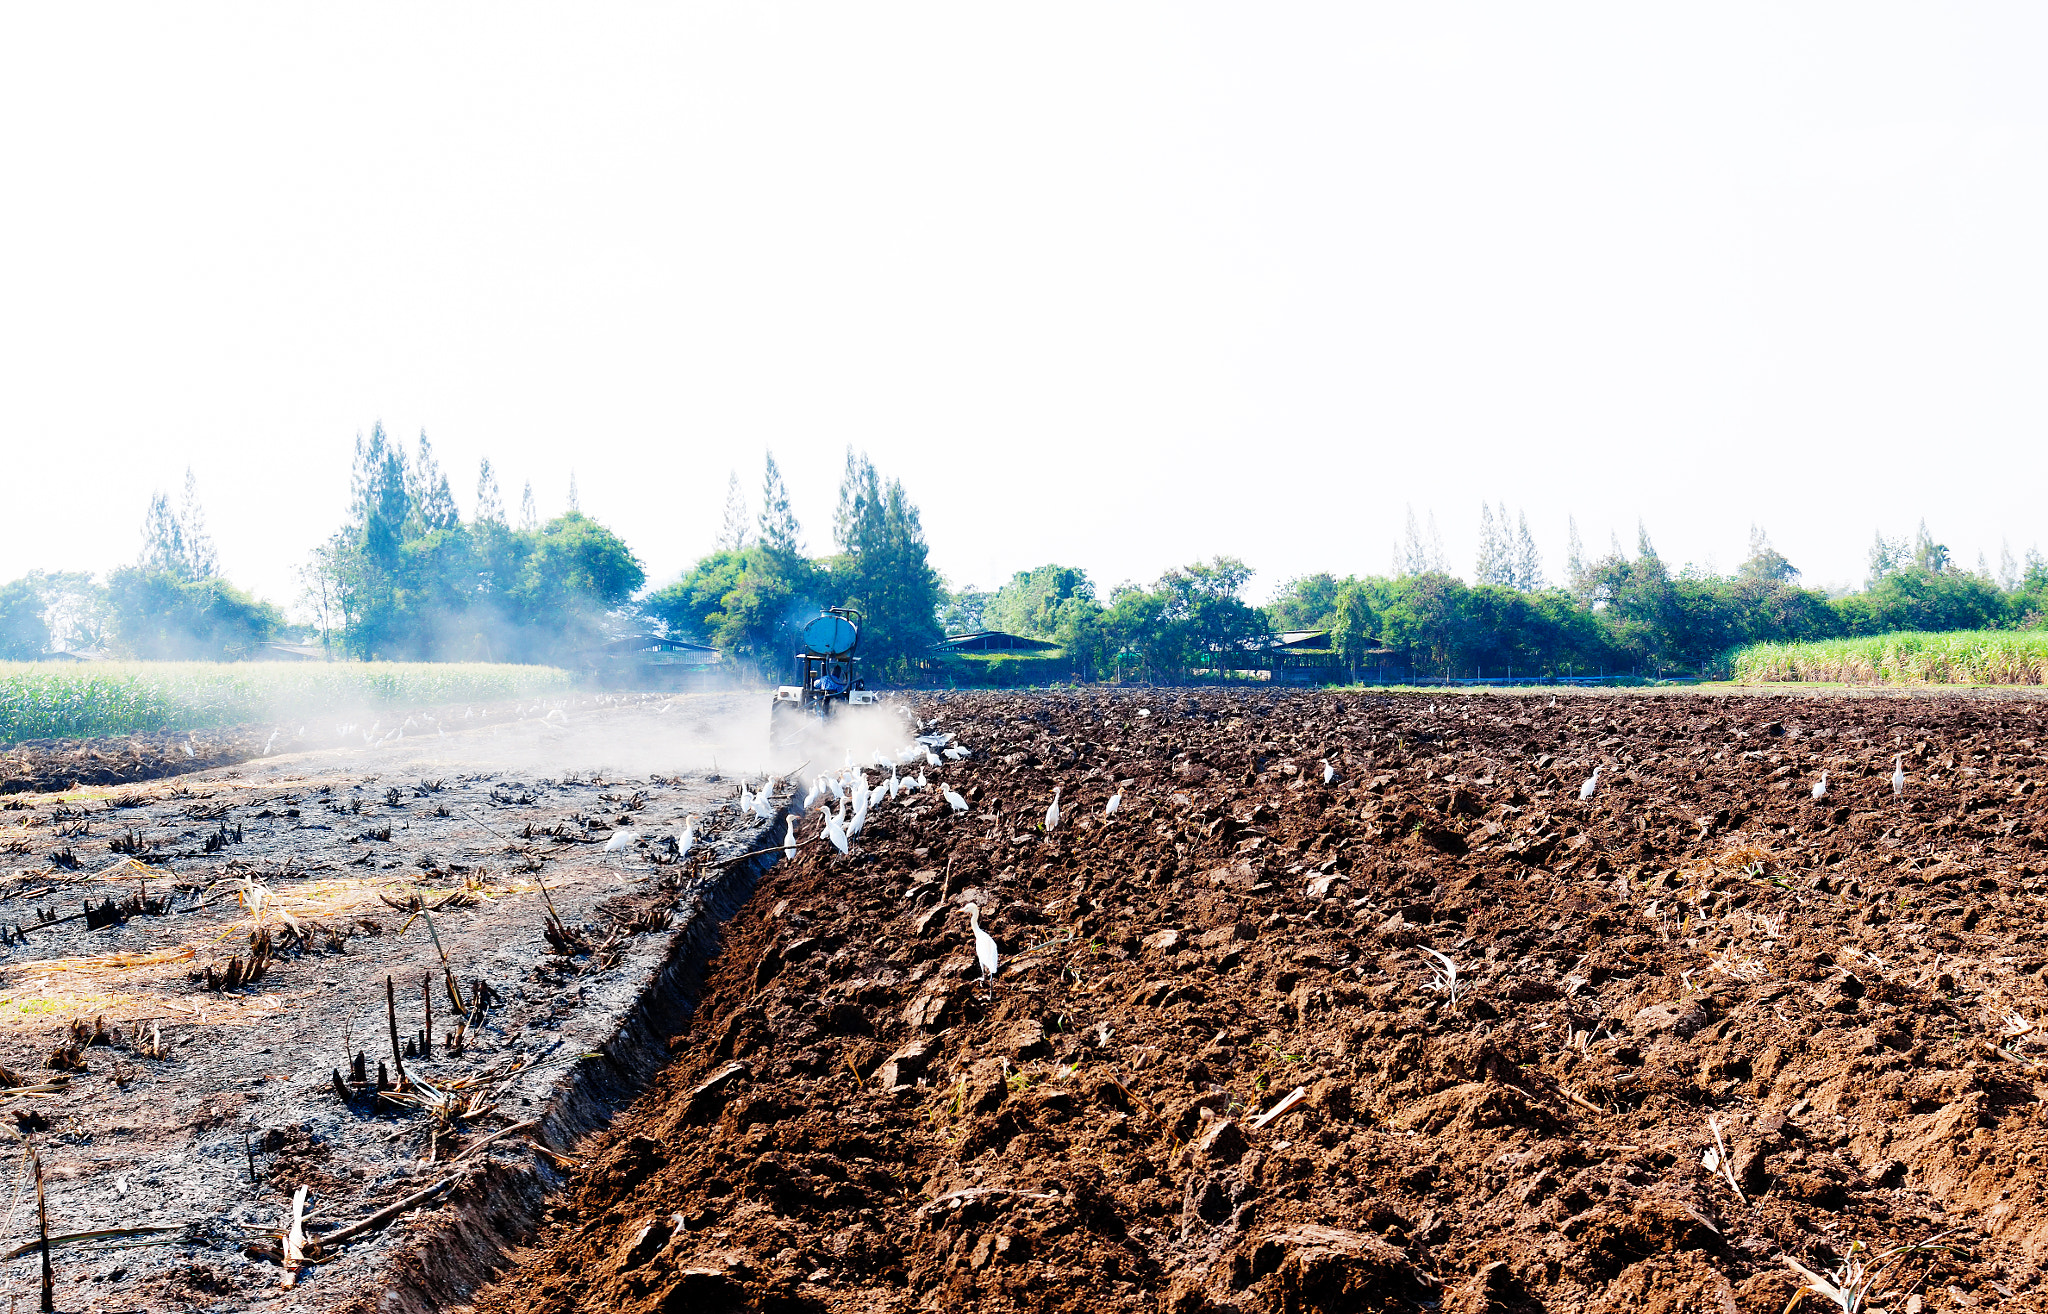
{"x": 198, "y": 1102}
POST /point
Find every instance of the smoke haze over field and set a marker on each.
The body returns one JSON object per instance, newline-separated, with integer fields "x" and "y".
{"x": 584, "y": 733}
{"x": 1119, "y": 287}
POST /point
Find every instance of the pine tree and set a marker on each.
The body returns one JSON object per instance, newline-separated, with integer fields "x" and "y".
{"x": 163, "y": 538}
{"x": 382, "y": 504}
{"x": 575, "y": 504}
{"x": 1493, "y": 566}
{"x": 1929, "y": 555}
{"x": 433, "y": 504}
{"x": 1528, "y": 561}
{"x": 2008, "y": 569}
{"x": 732, "y": 536}
{"x": 1578, "y": 576}
{"x": 779, "y": 532}
{"x": 201, "y": 561}
{"x": 529, "y": 514}
{"x": 858, "y": 487}
{"x": 490, "y": 503}
{"x": 1644, "y": 549}
{"x": 885, "y": 568}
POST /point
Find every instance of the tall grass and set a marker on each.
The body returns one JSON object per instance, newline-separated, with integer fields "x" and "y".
{"x": 63, "y": 700}
{"x": 1957, "y": 657}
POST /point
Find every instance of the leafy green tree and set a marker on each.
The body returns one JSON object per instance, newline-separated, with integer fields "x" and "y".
{"x": 750, "y": 605}
{"x": 1134, "y": 637}
{"x": 965, "y": 611}
{"x": 1916, "y": 598}
{"x": 1765, "y": 564}
{"x": 407, "y": 579}
{"x": 1030, "y": 603}
{"x": 157, "y": 615}
{"x": 1354, "y": 625}
{"x": 1306, "y": 602}
{"x": 1202, "y": 615}
{"x": 1427, "y": 619}
{"x": 24, "y": 635}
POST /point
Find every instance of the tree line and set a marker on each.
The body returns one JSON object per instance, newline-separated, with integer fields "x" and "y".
{"x": 1617, "y": 613}
{"x": 407, "y": 577}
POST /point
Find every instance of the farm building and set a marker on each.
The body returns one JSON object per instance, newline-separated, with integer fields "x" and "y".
{"x": 993, "y": 641}
{"x": 655, "y": 661}
{"x": 1293, "y": 657}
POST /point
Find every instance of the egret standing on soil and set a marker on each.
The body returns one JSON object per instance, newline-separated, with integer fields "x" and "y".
{"x": 1592, "y": 783}
{"x": 1052, "y": 814}
{"x": 984, "y": 944}
{"x": 1820, "y": 787}
{"x": 1898, "y": 776}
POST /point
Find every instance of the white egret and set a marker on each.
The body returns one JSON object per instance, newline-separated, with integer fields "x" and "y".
{"x": 268, "y": 744}
{"x": 746, "y": 803}
{"x": 789, "y": 839}
{"x": 763, "y": 808}
{"x": 1116, "y": 801}
{"x": 984, "y": 944}
{"x": 1329, "y": 772}
{"x": 956, "y": 753}
{"x": 836, "y": 832}
{"x": 1820, "y": 787}
{"x": 1592, "y": 783}
{"x": 1898, "y": 775}
{"x": 860, "y": 812}
{"x": 931, "y": 757}
{"x": 958, "y": 804}
{"x": 1052, "y": 814}
{"x": 621, "y": 839}
{"x": 689, "y": 836}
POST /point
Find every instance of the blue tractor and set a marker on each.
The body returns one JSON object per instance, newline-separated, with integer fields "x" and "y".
{"x": 829, "y": 679}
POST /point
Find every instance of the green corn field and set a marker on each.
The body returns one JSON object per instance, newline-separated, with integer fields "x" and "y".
{"x": 49, "y": 700}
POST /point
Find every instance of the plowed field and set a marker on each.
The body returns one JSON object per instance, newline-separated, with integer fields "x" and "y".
{"x": 1835, "y": 996}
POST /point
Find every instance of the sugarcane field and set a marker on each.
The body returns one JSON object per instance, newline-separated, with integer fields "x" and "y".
{"x": 1161, "y": 999}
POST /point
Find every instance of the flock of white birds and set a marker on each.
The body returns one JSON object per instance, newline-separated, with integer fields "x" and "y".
{"x": 847, "y": 798}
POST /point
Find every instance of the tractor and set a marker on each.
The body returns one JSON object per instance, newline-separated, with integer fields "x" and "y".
{"x": 830, "y": 679}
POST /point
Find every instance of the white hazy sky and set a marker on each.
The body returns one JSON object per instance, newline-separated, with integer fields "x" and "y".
{"x": 1114, "y": 285}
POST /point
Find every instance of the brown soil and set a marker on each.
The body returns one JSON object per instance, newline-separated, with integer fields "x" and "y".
{"x": 854, "y": 1122}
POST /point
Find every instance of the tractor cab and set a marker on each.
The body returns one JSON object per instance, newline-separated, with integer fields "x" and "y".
{"x": 828, "y": 677}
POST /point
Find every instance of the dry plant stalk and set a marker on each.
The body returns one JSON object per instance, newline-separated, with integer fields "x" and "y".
{"x": 1718, "y": 1160}
{"x": 1850, "y": 1283}
{"x": 295, "y": 1240}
